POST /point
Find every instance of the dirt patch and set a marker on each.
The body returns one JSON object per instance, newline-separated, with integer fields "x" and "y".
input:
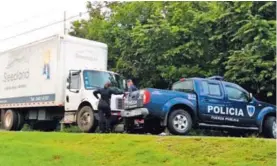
{"x": 56, "y": 157}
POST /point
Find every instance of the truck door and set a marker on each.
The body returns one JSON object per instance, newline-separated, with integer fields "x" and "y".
{"x": 211, "y": 101}
{"x": 72, "y": 94}
{"x": 240, "y": 110}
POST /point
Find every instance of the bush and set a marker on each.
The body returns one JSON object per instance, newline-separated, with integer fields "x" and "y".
{"x": 26, "y": 127}
{"x": 71, "y": 129}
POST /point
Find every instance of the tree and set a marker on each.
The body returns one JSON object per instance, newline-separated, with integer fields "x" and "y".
{"x": 157, "y": 43}
{"x": 251, "y": 46}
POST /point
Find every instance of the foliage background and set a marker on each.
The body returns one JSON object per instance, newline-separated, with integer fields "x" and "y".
{"x": 157, "y": 43}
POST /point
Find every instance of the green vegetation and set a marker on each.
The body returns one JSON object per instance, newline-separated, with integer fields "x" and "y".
{"x": 157, "y": 43}
{"x": 35, "y": 148}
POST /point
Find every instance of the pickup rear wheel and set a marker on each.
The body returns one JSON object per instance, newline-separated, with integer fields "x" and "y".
{"x": 86, "y": 120}
{"x": 270, "y": 127}
{"x": 153, "y": 126}
{"x": 129, "y": 125}
{"x": 179, "y": 122}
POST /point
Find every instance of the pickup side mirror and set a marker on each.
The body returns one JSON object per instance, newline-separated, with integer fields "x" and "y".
{"x": 250, "y": 97}
{"x": 170, "y": 86}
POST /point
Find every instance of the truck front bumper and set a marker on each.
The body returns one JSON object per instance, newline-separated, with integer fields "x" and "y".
{"x": 135, "y": 112}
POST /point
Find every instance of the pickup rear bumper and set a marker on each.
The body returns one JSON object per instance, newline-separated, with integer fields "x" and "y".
{"x": 135, "y": 112}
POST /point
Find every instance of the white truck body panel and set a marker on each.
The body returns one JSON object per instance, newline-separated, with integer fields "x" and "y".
{"x": 35, "y": 74}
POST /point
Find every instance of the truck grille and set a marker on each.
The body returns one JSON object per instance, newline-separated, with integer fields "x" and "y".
{"x": 119, "y": 103}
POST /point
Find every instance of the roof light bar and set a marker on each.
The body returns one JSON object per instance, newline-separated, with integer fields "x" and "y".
{"x": 220, "y": 78}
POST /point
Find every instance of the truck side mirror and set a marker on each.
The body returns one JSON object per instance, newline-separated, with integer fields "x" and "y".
{"x": 67, "y": 85}
{"x": 72, "y": 81}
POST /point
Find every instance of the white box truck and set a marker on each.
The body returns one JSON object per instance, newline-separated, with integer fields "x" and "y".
{"x": 53, "y": 80}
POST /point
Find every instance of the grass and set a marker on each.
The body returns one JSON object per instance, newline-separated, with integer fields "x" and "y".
{"x": 37, "y": 148}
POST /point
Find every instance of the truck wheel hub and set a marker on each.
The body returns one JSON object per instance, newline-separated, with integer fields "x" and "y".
{"x": 8, "y": 120}
{"x": 85, "y": 119}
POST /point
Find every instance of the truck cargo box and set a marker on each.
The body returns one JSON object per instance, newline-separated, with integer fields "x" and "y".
{"x": 35, "y": 75}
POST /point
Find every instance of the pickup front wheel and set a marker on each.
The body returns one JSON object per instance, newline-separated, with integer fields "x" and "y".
{"x": 270, "y": 127}
{"x": 179, "y": 122}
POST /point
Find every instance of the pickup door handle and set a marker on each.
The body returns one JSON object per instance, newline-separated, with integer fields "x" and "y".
{"x": 206, "y": 99}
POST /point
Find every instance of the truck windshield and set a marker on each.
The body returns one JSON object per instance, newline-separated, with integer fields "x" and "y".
{"x": 97, "y": 79}
{"x": 183, "y": 86}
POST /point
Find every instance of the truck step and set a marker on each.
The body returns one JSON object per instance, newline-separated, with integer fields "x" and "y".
{"x": 227, "y": 126}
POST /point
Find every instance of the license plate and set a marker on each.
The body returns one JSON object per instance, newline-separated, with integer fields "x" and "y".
{"x": 133, "y": 102}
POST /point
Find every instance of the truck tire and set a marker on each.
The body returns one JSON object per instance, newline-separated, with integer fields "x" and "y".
{"x": 129, "y": 125}
{"x": 20, "y": 121}
{"x": 153, "y": 126}
{"x": 86, "y": 120}
{"x": 179, "y": 122}
{"x": 269, "y": 127}
{"x": 10, "y": 120}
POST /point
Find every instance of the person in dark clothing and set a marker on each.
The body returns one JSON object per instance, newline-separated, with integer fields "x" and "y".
{"x": 127, "y": 121}
{"x": 131, "y": 86}
{"x": 104, "y": 109}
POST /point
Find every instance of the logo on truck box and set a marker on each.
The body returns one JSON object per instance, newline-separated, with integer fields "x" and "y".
{"x": 12, "y": 73}
{"x": 46, "y": 64}
{"x": 19, "y": 75}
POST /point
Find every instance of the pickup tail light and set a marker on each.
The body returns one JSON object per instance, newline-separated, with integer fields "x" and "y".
{"x": 146, "y": 97}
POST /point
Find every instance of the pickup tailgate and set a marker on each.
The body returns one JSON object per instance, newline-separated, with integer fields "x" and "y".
{"x": 133, "y": 100}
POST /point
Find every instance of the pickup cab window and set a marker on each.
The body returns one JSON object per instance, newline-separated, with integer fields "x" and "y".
{"x": 236, "y": 94}
{"x": 211, "y": 89}
{"x": 183, "y": 86}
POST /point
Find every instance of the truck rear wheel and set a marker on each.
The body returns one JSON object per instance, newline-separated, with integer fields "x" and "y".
{"x": 179, "y": 122}
{"x": 20, "y": 121}
{"x": 10, "y": 120}
{"x": 270, "y": 127}
{"x": 86, "y": 120}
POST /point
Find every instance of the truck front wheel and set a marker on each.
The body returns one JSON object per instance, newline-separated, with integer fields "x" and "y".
{"x": 10, "y": 120}
{"x": 270, "y": 127}
{"x": 179, "y": 122}
{"x": 86, "y": 120}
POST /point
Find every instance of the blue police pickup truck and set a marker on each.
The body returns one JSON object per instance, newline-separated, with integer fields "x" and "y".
{"x": 199, "y": 102}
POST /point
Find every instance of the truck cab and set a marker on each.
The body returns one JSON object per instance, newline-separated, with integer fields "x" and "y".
{"x": 203, "y": 102}
{"x": 79, "y": 96}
